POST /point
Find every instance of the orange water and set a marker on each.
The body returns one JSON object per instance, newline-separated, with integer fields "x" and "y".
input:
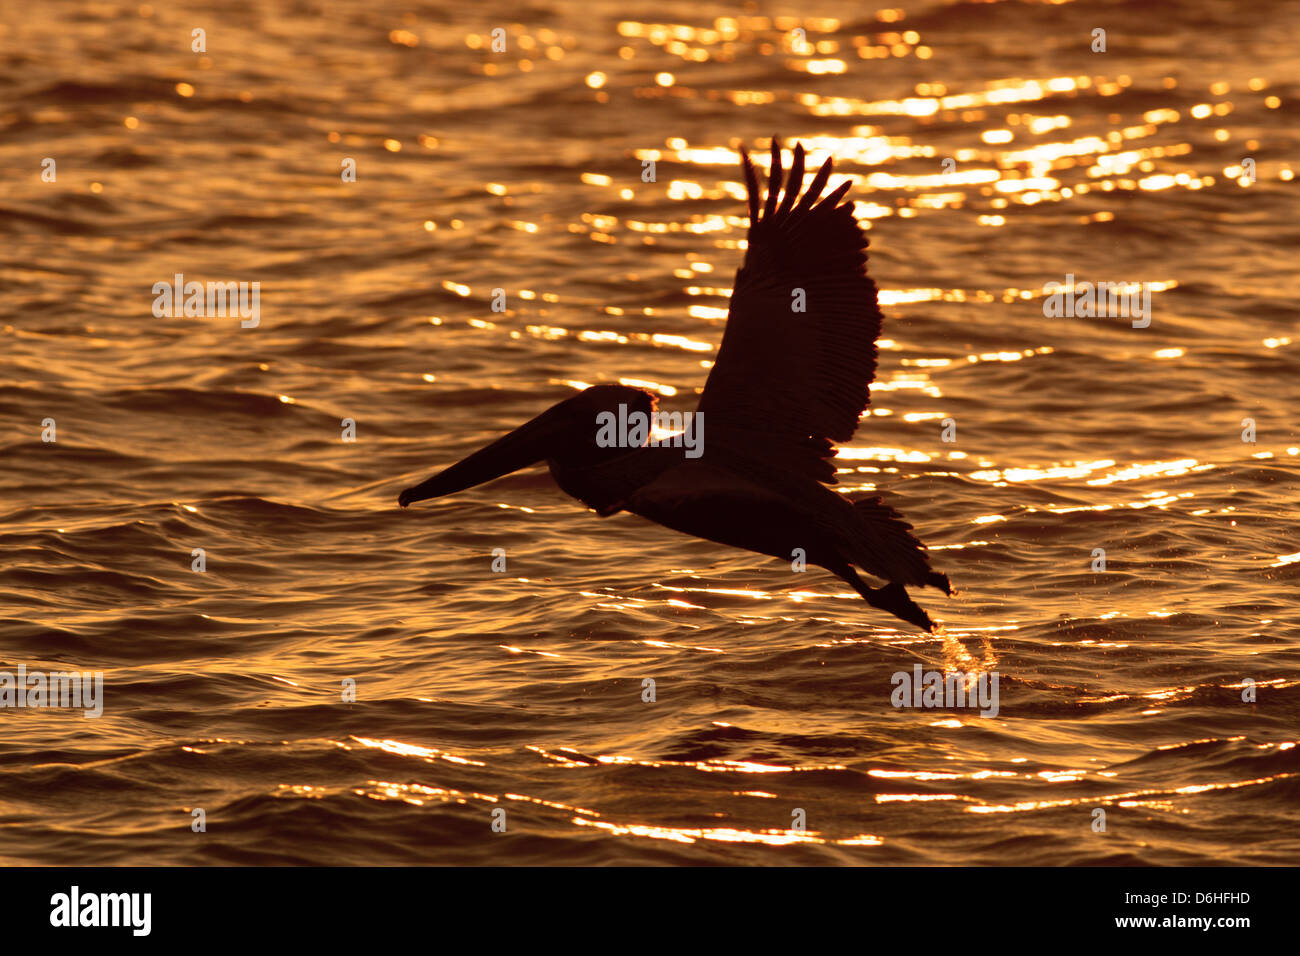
{"x": 522, "y": 690}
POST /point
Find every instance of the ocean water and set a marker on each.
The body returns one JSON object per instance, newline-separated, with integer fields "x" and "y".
{"x": 993, "y": 151}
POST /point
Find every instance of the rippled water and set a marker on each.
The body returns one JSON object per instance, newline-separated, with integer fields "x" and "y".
{"x": 522, "y": 171}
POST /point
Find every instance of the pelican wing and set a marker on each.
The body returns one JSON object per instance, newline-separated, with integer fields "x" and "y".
{"x": 796, "y": 380}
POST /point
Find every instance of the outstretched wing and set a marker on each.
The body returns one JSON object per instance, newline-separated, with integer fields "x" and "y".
{"x": 796, "y": 380}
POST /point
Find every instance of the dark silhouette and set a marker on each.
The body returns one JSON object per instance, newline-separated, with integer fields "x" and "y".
{"x": 786, "y": 385}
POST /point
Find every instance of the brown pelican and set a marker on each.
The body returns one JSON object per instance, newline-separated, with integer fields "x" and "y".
{"x": 786, "y": 384}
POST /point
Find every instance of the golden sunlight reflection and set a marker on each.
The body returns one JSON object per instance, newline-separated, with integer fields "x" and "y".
{"x": 726, "y": 834}
{"x": 705, "y": 766}
{"x": 413, "y": 750}
{"x": 1105, "y": 799}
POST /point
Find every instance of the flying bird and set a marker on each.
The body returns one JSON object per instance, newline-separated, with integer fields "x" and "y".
{"x": 785, "y": 387}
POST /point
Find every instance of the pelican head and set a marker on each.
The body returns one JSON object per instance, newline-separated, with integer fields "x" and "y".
{"x": 564, "y": 433}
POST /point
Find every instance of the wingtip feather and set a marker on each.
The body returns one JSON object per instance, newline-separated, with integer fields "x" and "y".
{"x": 793, "y": 181}
{"x": 751, "y": 186}
{"x": 773, "y": 179}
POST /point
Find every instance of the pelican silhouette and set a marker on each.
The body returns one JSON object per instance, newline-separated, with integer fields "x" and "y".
{"x": 785, "y": 386}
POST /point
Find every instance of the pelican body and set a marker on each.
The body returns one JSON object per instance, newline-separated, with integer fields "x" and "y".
{"x": 786, "y": 385}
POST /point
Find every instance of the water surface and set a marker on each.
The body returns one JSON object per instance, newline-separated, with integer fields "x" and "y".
{"x": 522, "y": 690}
